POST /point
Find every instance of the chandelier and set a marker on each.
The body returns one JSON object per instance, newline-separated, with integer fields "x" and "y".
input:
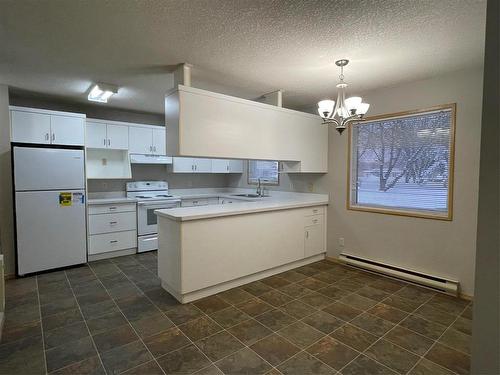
{"x": 345, "y": 111}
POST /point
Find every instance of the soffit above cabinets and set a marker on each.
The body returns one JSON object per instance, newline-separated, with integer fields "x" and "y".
{"x": 201, "y": 123}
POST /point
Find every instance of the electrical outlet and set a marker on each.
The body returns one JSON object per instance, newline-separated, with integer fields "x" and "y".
{"x": 341, "y": 241}
{"x": 310, "y": 187}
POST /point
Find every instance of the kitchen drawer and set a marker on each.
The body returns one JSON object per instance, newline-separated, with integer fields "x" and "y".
{"x": 316, "y": 210}
{"x": 314, "y": 220}
{"x": 115, "y": 222}
{"x": 104, "y": 243}
{"x": 95, "y": 209}
{"x": 194, "y": 202}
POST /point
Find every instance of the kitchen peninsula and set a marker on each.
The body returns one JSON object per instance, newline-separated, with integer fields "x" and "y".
{"x": 204, "y": 250}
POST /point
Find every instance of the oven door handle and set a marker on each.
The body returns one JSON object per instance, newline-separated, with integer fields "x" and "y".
{"x": 160, "y": 206}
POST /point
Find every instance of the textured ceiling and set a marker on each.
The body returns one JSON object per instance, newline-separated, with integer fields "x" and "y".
{"x": 239, "y": 47}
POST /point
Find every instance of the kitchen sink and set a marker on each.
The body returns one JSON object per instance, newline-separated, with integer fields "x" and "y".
{"x": 247, "y": 195}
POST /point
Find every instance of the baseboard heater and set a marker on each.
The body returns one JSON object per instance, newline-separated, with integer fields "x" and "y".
{"x": 434, "y": 282}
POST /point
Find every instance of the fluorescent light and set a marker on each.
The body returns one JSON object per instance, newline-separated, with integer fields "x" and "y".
{"x": 101, "y": 92}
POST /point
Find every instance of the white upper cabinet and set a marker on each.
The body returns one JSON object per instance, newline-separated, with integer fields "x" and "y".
{"x": 30, "y": 127}
{"x": 192, "y": 165}
{"x": 40, "y": 126}
{"x": 140, "y": 140}
{"x": 235, "y": 166}
{"x": 202, "y": 165}
{"x": 227, "y": 166}
{"x": 204, "y": 123}
{"x": 117, "y": 136}
{"x": 67, "y": 130}
{"x": 159, "y": 141}
{"x": 147, "y": 140}
{"x": 220, "y": 166}
{"x": 95, "y": 136}
{"x": 105, "y": 135}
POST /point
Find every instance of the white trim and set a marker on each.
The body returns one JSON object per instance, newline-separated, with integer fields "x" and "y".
{"x": 47, "y": 111}
{"x": 112, "y": 122}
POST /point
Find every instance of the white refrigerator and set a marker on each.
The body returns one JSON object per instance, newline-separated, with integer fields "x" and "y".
{"x": 50, "y": 208}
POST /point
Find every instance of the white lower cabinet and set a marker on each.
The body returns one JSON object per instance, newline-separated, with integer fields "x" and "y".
{"x": 108, "y": 242}
{"x": 314, "y": 235}
{"x": 112, "y": 227}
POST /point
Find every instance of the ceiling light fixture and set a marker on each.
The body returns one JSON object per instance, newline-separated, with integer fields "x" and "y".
{"x": 101, "y": 92}
{"x": 345, "y": 111}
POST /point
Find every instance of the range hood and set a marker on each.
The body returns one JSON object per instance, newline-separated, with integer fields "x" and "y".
{"x": 150, "y": 159}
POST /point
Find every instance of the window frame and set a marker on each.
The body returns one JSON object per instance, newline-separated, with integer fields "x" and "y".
{"x": 405, "y": 212}
{"x": 263, "y": 182}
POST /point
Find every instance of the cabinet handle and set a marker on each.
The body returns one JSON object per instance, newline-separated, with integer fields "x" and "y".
{"x": 315, "y": 221}
{"x": 112, "y": 222}
{"x": 307, "y": 234}
{"x": 150, "y": 148}
{"x": 104, "y": 140}
{"x": 53, "y": 136}
{"x": 113, "y": 241}
{"x": 46, "y": 136}
{"x": 227, "y": 168}
{"x": 154, "y": 148}
{"x": 112, "y": 208}
{"x": 195, "y": 202}
{"x": 109, "y": 142}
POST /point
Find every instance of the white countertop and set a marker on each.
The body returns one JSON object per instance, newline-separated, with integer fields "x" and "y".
{"x": 276, "y": 201}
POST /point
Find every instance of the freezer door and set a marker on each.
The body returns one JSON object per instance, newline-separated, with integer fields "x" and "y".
{"x": 50, "y": 229}
{"x": 48, "y": 169}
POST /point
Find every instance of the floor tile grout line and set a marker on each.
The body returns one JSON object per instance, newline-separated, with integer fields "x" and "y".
{"x": 86, "y": 326}
{"x": 399, "y": 324}
{"x": 437, "y": 340}
{"x": 310, "y": 291}
{"x": 41, "y": 326}
{"x": 121, "y": 312}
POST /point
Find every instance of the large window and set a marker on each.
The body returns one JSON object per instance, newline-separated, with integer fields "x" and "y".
{"x": 267, "y": 171}
{"x": 403, "y": 163}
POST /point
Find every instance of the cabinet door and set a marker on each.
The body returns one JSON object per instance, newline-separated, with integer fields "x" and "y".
{"x": 29, "y": 127}
{"x": 159, "y": 141}
{"x": 314, "y": 240}
{"x": 183, "y": 165}
{"x": 140, "y": 140}
{"x": 235, "y": 166}
{"x": 67, "y": 130}
{"x": 117, "y": 137}
{"x": 95, "y": 136}
{"x": 220, "y": 166}
{"x": 202, "y": 165}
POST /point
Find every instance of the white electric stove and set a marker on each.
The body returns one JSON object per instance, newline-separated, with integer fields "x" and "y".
{"x": 151, "y": 196}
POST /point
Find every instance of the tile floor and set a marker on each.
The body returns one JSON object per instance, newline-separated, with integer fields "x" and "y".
{"x": 112, "y": 317}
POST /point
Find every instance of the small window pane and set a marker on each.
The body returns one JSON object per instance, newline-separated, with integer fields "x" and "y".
{"x": 267, "y": 171}
{"x": 402, "y": 163}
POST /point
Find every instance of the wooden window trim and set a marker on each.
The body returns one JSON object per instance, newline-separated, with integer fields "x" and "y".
{"x": 451, "y": 166}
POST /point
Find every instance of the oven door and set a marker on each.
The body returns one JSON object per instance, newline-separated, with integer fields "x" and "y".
{"x": 147, "y": 222}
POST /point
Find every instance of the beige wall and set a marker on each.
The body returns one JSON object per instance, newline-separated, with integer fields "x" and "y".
{"x": 437, "y": 247}
{"x": 6, "y": 204}
{"x": 160, "y": 172}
